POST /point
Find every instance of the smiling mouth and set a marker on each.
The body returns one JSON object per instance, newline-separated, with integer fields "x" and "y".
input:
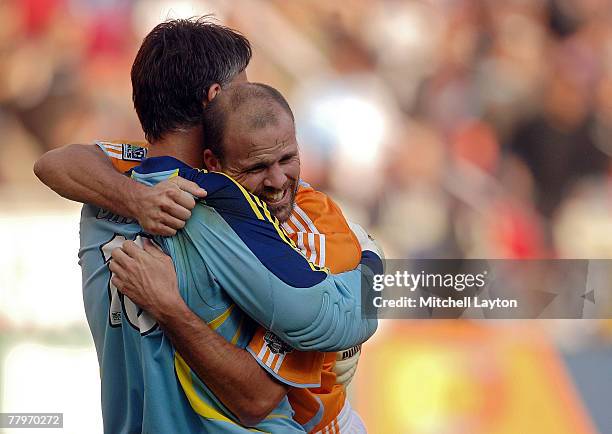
{"x": 276, "y": 198}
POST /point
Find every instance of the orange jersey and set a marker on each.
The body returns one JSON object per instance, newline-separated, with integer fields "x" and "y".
{"x": 320, "y": 231}
{"x": 124, "y": 155}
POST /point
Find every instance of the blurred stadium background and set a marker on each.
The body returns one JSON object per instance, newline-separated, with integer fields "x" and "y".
{"x": 449, "y": 128}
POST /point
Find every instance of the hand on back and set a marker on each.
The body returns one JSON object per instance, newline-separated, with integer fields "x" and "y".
{"x": 165, "y": 208}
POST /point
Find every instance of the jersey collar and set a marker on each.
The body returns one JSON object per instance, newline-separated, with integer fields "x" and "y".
{"x": 160, "y": 164}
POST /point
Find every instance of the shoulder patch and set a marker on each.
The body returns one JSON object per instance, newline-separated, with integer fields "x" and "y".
{"x": 133, "y": 152}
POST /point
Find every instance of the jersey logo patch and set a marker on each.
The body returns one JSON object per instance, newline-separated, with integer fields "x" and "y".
{"x": 276, "y": 344}
{"x": 115, "y": 318}
{"x": 133, "y": 152}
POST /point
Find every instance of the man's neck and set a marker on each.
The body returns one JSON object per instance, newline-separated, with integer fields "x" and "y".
{"x": 184, "y": 146}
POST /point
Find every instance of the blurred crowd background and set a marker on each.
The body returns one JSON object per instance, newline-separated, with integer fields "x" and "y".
{"x": 448, "y": 128}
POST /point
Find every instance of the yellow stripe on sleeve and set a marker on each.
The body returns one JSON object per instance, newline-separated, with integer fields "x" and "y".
{"x": 247, "y": 196}
{"x": 278, "y": 416}
{"x": 202, "y": 408}
{"x": 281, "y": 231}
{"x": 239, "y": 331}
{"x": 183, "y": 372}
{"x": 198, "y": 404}
{"x": 254, "y": 201}
{"x": 216, "y": 323}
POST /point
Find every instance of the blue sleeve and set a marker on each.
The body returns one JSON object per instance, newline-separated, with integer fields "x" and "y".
{"x": 260, "y": 268}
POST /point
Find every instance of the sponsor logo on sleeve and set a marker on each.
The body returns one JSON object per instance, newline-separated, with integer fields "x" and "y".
{"x": 276, "y": 344}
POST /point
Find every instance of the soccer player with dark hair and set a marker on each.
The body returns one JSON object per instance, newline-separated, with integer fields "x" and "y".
{"x": 163, "y": 209}
{"x": 180, "y": 64}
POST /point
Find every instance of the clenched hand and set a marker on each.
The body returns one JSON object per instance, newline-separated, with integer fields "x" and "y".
{"x": 148, "y": 278}
{"x": 166, "y": 207}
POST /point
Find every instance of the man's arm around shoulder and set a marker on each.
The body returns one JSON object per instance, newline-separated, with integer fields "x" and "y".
{"x": 83, "y": 173}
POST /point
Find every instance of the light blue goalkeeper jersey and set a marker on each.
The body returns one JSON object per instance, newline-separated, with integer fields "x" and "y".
{"x": 234, "y": 265}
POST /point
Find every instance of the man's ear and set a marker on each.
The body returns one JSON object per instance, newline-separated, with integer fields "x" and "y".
{"x": 211, "y": 162}
{"x": 213, "y": 91}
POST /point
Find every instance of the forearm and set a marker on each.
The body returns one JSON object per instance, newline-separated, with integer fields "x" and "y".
{"x": 306, "y": 314}
{"x": 230, "y": 372}
{"x": 324, "y": 317}
{"x": 84, "y": 174}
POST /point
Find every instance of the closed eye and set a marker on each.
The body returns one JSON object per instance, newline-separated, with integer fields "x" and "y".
{"x": 287, "y": 158}
{"x": 256, "y": 169}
